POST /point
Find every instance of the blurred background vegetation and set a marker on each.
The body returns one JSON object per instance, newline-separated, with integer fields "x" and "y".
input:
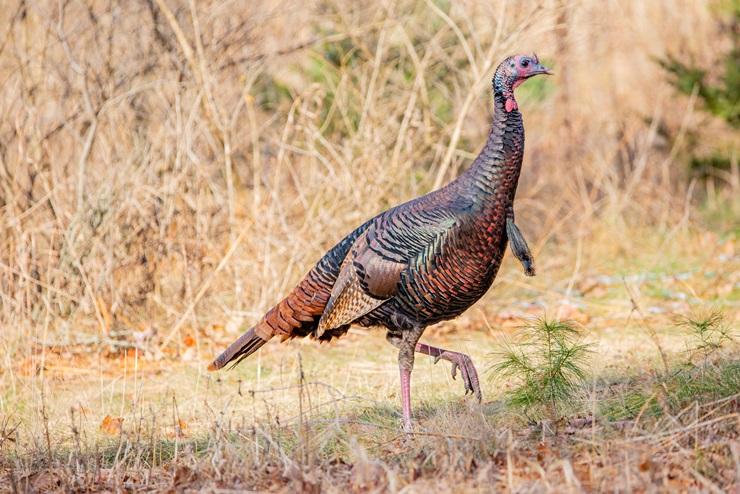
{"x": 181, "y": 165}
{"x": 717, "y": 85}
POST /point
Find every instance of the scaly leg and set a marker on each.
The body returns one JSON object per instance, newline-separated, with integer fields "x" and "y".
{"x": 459, "y": 360}
{"x": 406, "y": 344}
{"x": 406, "y": 397}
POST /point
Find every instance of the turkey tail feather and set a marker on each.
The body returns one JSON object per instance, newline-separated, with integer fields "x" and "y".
{"x": 298, "y": 314}
{"x": 242, "y": 348}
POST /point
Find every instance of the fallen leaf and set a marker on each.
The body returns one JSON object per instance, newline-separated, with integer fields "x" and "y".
{"x": 181, "y": 430}
{"x": 41, "y": 482}
{"x": 644, "y": 466}
{"x": 183, "y": 476}
{"x": 543, "y": 452}
{"x": 188, "y": 341}
{"x": 112, "y": 426}
{"x": 368, "y": 476}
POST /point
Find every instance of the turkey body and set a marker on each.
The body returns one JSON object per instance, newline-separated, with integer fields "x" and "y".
{"x": 452, "y": 246}
{"x": 419, "y": 263}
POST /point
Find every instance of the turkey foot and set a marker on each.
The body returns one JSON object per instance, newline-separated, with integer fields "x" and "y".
{"x": 459, "y": 361}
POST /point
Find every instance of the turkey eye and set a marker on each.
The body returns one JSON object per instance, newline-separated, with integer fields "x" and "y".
{"x": 525, "y": 63}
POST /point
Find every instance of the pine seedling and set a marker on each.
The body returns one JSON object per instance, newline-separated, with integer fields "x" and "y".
{"x": 707, "y": 333}
{"x": 547, "y": 362}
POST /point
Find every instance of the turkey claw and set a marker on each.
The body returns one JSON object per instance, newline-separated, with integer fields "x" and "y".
{"x": 467, "y": 370}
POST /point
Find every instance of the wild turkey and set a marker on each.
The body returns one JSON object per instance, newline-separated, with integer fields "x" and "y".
{"x": 425, "y": 261}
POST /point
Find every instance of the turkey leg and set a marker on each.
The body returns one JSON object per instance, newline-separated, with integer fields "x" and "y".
{"x": 407, "y": 345}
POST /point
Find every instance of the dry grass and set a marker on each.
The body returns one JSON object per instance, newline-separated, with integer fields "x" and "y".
{"x": 169, "y": 170}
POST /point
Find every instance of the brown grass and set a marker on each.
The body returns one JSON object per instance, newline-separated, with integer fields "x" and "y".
{"x": 169, "y": 170}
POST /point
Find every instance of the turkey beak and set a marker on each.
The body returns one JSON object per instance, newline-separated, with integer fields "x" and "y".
{"x": 544, "y": 70}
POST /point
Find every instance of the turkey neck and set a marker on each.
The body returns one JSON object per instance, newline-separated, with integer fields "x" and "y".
{"x": 493, "y": 177}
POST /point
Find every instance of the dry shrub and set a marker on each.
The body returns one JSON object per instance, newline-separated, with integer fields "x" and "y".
{"x": 139, "y": 140}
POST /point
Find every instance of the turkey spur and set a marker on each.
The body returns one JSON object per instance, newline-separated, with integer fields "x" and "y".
{"x": 425, "y": 261}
